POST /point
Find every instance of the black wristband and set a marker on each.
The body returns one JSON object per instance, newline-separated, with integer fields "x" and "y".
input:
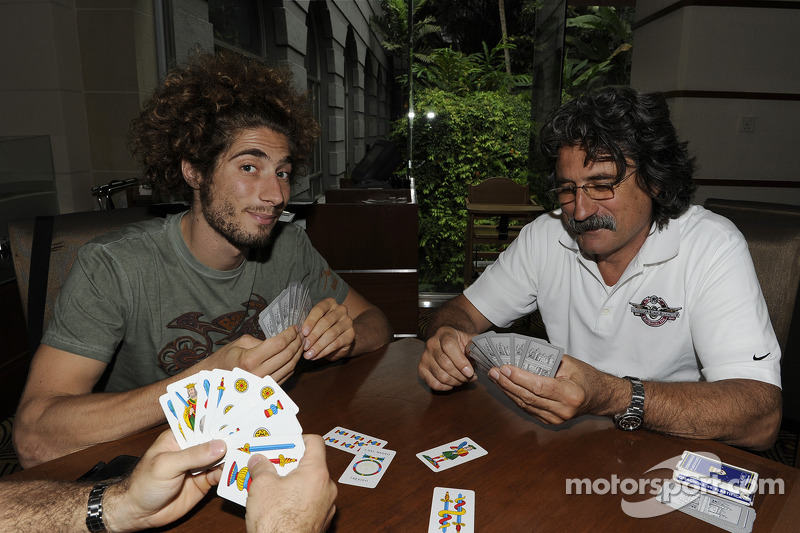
{"x": 94, "y": 509}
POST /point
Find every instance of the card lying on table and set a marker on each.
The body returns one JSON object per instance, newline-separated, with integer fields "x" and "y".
{"x": 452, "y": 510}
{"x": 349, "y": 440}
{"x": 451, "y": 454}
{"x": 492, "y": 349}
{"x": 367, "y": 467}
{"x": 252, "y": 414}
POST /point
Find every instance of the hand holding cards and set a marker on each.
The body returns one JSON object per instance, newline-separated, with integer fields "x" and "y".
{"x": 290, "y": 308}
{"x": 252, "y": 414}
{"x": 492, "y": 349}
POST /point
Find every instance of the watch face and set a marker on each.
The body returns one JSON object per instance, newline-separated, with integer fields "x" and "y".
{"x": 629, "y": 422}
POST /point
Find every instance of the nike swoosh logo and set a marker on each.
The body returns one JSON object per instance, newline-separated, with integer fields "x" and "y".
{"x": 760, "y": 358}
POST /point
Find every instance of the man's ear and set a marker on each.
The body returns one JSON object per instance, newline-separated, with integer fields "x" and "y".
{"x": 191, "y": 175}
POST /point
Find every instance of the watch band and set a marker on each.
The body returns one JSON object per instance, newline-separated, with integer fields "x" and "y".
{"x": 94, "y": 510}
{"x": 633, "y": 416}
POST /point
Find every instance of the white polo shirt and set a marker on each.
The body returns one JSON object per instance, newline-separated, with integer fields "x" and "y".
{"x": 687, "y": 308}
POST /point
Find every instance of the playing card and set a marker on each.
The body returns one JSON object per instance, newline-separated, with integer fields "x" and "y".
{"x": 451, "y": 454}
{"x": 367, "y": 467}
{"x": 477, "y": 354}
{"x": 174, "y": 419}
{"x": 452, "y": 510}
{"x": 349, "y": 440}
{"x": 267, "y": 322}
{"x": 503, "y": 348}
{"x": 542, "y": 358}
{"x": 255, "y": 426}
{"x": 183, "y": 395}
{"x": 203, "y": 388}
{"x": 482, "y": 342}
{"x": 220, "y": 387}
{"x": 283, "y": 453}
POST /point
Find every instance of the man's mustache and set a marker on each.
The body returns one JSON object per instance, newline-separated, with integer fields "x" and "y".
{"x": 592, "y": 223}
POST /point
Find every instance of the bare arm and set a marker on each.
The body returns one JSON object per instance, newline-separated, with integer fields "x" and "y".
{"x": 158, "y": 492}
{"x": 444, "y": 363}
{"x": 59, "y": 414}
{"x": 355, "y": 327}
{"x": 740, "y": 412}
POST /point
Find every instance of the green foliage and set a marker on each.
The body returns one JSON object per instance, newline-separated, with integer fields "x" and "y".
{"x": 472, "y": 138}
{"x": 392, "y": 26}
{"x": 598, "y": 49}
{"x": 460, "y": 73}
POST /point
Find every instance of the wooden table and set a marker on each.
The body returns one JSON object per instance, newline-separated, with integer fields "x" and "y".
{"x": 520, "y": 485}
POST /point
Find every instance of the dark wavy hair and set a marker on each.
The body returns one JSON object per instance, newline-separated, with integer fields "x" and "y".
{"x": 200, "y": 108}
{"x": 626, "y": 126}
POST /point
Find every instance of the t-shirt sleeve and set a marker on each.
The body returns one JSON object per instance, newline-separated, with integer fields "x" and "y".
{"x": 507, "y": 289}
{"x": 321, "y": 280}
{"x": 731, "y": 329}
{"x": 89, "y": 314}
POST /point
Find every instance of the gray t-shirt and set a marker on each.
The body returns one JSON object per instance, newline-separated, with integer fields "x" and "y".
{"x": 140, "y": 289}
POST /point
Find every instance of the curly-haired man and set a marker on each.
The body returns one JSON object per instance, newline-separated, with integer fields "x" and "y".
{"x": 631, "y": 280}
{"x": 166, "y": 298}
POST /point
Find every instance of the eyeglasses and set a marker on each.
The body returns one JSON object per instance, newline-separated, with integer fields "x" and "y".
{"x": 599, "y": 191}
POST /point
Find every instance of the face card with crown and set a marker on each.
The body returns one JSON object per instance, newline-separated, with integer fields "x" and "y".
{"x": 183, "y": 395}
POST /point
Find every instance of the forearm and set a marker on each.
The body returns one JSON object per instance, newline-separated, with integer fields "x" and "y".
{"x": 739, "y": 412}
{"x": 372, "y": 330}
{"x": 43, "y": 506}
{"x": 459, "y": 314}
{"x": 48, "y": 428}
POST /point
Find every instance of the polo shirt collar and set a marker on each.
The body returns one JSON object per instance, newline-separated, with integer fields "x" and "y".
{"x": 661, "y": 245}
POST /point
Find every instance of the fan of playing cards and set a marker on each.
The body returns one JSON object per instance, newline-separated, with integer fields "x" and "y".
{"x": 291, "y": 307}
{"x": 252, "y": 414}
{"x": 492, "y": 349}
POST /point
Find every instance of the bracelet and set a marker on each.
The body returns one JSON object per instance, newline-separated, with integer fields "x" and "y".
{"x": 94, "y": 510}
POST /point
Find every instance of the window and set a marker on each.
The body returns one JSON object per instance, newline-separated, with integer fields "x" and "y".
{"x": 237, "y": 25}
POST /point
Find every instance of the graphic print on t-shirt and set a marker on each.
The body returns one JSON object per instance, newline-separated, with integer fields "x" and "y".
{"x": 186, "y": 350}
{"x": 654, "y": 311}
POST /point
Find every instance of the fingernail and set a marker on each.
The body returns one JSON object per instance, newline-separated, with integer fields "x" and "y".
{"x": 506, "y": 371}
{"x": 306, "y": 331}
{"x": 309, "y": 354}
{"x": 217, "y": 447}
{"x": 307, "y": 344}
{"x": 254, "y": 460}
{"x": 494, "y": 374}
{"x": 467, "y": 371}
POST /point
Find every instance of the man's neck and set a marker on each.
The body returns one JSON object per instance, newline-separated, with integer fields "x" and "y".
{"x": 207, "y": 245}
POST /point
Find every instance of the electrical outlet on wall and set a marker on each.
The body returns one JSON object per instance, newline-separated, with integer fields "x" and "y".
{"x": 747, "y": 124}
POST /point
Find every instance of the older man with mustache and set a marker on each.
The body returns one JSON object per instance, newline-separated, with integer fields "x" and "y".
{"x": 626, "y": 238}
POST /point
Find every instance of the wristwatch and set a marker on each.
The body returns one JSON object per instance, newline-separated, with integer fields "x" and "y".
{"x": 633, "y": 416}
{"x": 94, "y": 511}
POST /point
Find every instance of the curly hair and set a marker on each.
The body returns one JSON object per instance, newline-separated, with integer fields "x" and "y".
{"x": 626, "y": 126}
{"x": 201, "y": 106}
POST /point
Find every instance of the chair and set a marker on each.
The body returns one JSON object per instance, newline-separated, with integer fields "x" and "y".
{"x": 41, "y": 269}
{"x": 491, "y": 207}
{"x": 772, "y": 232}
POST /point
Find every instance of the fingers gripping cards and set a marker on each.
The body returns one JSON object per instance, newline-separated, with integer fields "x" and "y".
{"x": 534, "y": 355}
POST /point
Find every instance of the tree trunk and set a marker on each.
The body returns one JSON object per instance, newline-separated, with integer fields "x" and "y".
{"x": 502, "y": 6}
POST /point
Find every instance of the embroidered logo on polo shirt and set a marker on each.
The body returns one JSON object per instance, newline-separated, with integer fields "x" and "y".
{"x": 654, "y": 311}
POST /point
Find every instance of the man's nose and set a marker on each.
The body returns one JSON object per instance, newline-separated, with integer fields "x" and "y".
{"x": 271, "y": 190}
{"x": 585, "y": 207}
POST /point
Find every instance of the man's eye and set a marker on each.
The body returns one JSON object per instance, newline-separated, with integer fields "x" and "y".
{"x": 603, "y": 187}
{"x": 284, "y": 175}
{"x": 248, "y": 168}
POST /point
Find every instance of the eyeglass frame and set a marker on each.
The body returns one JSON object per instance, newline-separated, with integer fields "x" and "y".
{"x": 588, "y": 187}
